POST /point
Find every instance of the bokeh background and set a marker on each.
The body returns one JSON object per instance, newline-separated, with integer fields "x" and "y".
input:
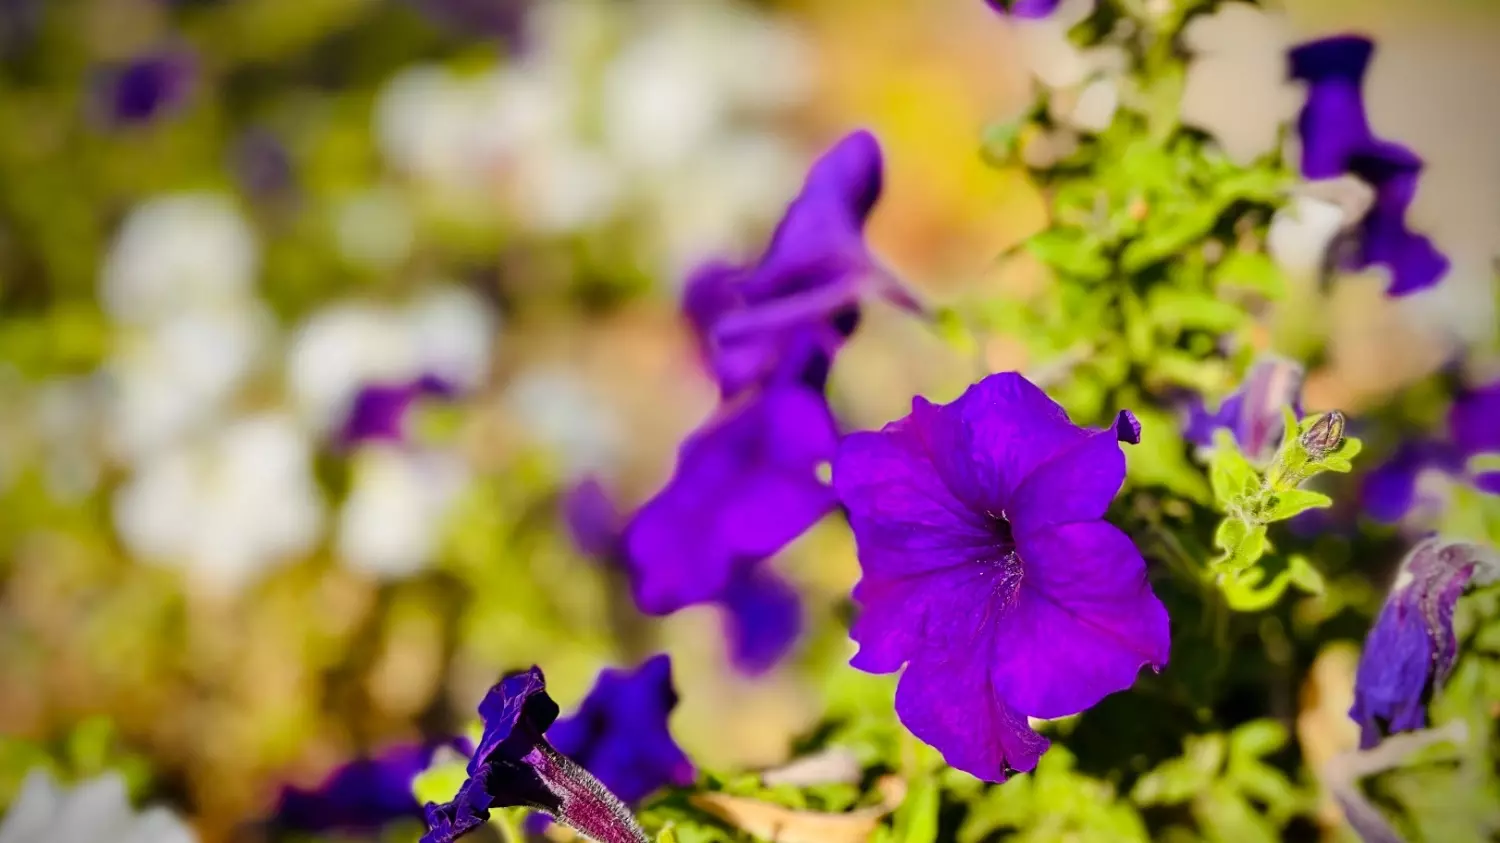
{"x": 221, "y": 218}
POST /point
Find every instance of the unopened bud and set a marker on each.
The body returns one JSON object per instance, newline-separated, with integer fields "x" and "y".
{"x": 1325, "y": 436}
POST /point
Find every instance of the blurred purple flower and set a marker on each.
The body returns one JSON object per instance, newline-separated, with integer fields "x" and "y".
{"x": 363, "y": 795}
{"x": 514, "y": 765}
{"x": 379, "y": 411}
{"x": 145, "y": 88}
{"x": 762, "y": 613}
{"x": 1392, "y": 490}
{"x": 1410, "y": 649}
{"x": 1030, "y": 9}
{"x": 502, "y": 20}
{"x": 1337, "y": 140}
{"x": 1253, "y": 413}
{"x": 746, "y": 484}
{"x": 619, "y": 732}
{"x": 989, "y": 572}
{"x": 262, "y": 165}
{"x": 787, "y": 315}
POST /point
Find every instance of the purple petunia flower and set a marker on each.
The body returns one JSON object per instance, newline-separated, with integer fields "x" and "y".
{"x": 1026, "y": 9}
{"x": 514, "y": 765}
{"x": 786, "y": 316}
{"x": 989, "y": 572}
{"x": 363, "y": 795}
{"x": 746, "y": 484}
{"x": 762, "y": 613}
{"x": 145, "y": 88}
{"x": 1253, "y": 413}
{"x": 1337, "y": 140}
{"x": 379, "y": 411}
{"x": 1394, "y": 489}
{"x": 619, "y": 732}
{"x": 1411, "y": 648}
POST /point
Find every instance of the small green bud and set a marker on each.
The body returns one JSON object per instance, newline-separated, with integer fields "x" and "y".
{"x": 1325, "y": 436}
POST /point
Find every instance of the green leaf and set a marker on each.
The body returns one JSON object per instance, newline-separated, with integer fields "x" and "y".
{"x": 1071, "y": 251}
{"x": 1160, "y": 459}
{"x": 1292, "y": 502}
{"x": 916, "y": 821}
{"x": 1175, "y": 309}
{"x": 1256, "y": 739}
{"x": 1253, "y": 271}
{"x": 1167, "y": 237}
{"x": 1234, "y": 480}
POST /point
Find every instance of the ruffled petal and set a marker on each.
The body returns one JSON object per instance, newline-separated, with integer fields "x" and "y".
{"x": 1076, "y": 485}
{"x": 1085, "y": 623}
{"x": 951, "y": 705}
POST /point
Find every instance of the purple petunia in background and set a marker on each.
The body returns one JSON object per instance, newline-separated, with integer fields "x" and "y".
{"x": 1026, "y": 9}
{"x": 786, "y": 316}
{"x": 1337, "y": 140}
{"x": 146, "y": 88}
{"x": 1253, "y": 413}
{"x": 1395, "y": 489}
{"x": 1411, "y": 648}
{"x": 988, "y": 571}
{"x": 363, "y": 795}
{"x": 379, "y": 412}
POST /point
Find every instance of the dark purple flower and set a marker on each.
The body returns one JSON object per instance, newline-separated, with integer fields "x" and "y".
{"x": 787, "y": 315}
{"x": 1391, "y": 490}
{"x": 746, "y": 484}
{"x": 989, "y": 572}
{"x": 1337, "y": 140}
{"x": 145, "y": 88}
{"x": 1030, "y": 9}
{"x": 1410, "y": 649}
{"x": 592, "y": 519}
{"x": 502, "y": 20}
{"x": 379, "y": 411}
{"x": 515, "y": 766}
{"x": 363, "y": 795}
{"x": 1474, "y": 420}
{"x": 619, "y": 732}
{"x": 762, "y": 618}
{"x": 1253, "y": 413}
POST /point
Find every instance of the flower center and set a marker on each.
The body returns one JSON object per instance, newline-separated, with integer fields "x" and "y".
{"x": 1004, "y": 560}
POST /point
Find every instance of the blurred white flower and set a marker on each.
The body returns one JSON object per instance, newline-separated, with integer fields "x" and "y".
{"x": 1301, "y": 233}
{"x": 178, "y": 252}
{"x": 396, "y": 512}
{"x": 178, "y": 376}
{"x": 446, "y": 331}
{"x": 226, "y": 508}
{"x": 560, "y": 411}
{"x": 1237, "y": 88}
{"x": 95, "y": 811}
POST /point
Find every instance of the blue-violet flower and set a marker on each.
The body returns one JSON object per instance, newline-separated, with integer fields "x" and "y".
{"x": 989, "y": 572}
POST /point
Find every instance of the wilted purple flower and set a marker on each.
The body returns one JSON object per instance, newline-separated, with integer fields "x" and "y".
{"x": 988, "y": 571}
{"x": 145, "y": 88}
{"x": 1030, "y": 9}
{"x": 619, "y": 732}
{"x": 1410, "y": 649}
{"x": 746, "y": 484}
{"x": 363, "y": 795}
{"x": 379, "y": 411}
{"x": 787, "y": 315}
{"x": 514, "y": 765}
{"x": 1337, "y": 140}
{"x": 1253, "y": 413}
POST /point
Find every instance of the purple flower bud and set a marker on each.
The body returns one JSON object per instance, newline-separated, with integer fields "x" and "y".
{"x": 1325, "y": 436}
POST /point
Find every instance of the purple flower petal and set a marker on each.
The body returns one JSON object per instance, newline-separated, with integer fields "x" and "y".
{"x": 1411, "y": 647}
{"x": 987, "y": 571}
{"x": 593, "y": 521}
{"x": 1253, "y": 412}
{"x": 379, "y": 411}
{"x": 1474, "y": 420}
{"x": 1085, "y": 623}
{"x": 1337, "y": 140}
{"x": 363, "y": 795}
{"x": 1027, "y": 9}
{"x": 1389, "y": 491}
{"x": 746, "y": 484}
{"x": 619, "y": 732}
{"x": 762, "y": 618}
{"x": 146, "y": 88}
{"x": 787, "y": 315}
